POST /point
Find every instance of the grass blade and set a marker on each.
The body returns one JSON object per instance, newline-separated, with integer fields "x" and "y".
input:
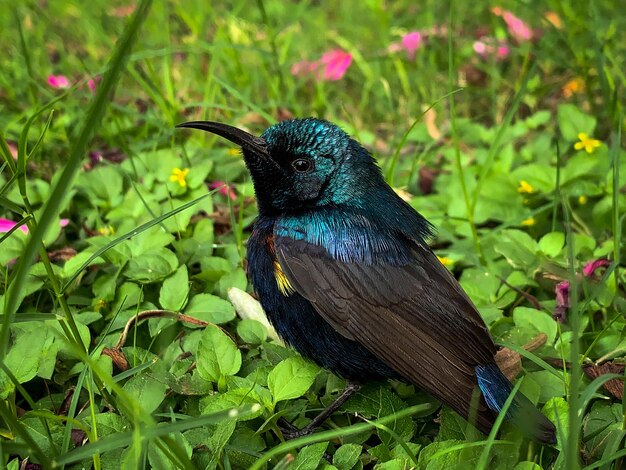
{"x": 123, "y": 439}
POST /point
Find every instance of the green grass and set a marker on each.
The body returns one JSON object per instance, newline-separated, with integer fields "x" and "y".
{"x": 459, "y": 135}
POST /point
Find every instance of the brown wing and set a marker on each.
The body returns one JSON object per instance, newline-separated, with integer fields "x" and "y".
{"x": 415, "y": 317}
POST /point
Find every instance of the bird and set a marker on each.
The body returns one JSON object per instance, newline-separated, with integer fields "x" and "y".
{"x": 342, "y": 267}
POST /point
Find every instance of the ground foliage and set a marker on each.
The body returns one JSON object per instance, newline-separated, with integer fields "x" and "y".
{"x": 121, "y": 346}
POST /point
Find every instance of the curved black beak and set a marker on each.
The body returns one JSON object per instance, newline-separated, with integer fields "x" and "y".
{"x": 242, "y": 138}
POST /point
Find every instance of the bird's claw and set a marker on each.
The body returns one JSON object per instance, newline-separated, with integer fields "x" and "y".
{"x": 289, "y": 431}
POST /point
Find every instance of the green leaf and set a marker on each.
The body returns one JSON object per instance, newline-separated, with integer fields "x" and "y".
{"x": 217, "y": 355}
{"x": 518, "y": 248}
{"x": 393, "y": 464}
{"x": 159, "y": 460}
{"x": 399, "y": 452}
{"x": 431, "y": 458}
{"x": 220, "y": 437}
{"x": 573, "y": 121}
{"x": 23, "y": 359}
{"x": 557, "y": 409}
{"x": 175, "y": 290}
{"x": 461, "y": 455}
{"x": 147, "y": 390}
{"x": 102, "y": 185}
{"x": 552, "y": 243}
{"x": 243, "y": 447}
{"x": 603, "y": 421}
{"x": 535, "y": 321}
{"x": 309, "y": 457}
{"x": 251, "y": 331}
{"x": 541, "y": 177}
{"x": 453, "y": 426}
{"x": 551, "y": 385}
{"x": 232, "y": 399}
{"x": 235, "y": 278}
{"x": 375, "y": 400}
{"x": 527, "y": 466}
{"x": 39, "y": 433}
{"x": 210, "y": 308}
{"x": 538, "y": 119}
{"x": 127, "y": 296}
{"x": 14, "y": 464}
{"x": 291, "y": 378}
{"x": 152, "y": 267}
{"x": 347, "y": 456}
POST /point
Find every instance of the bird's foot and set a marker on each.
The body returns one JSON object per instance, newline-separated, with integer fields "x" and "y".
{"x": 289, "y": 431}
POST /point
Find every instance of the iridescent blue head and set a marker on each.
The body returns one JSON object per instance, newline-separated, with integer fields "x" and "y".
{"x": 302, "y": 163}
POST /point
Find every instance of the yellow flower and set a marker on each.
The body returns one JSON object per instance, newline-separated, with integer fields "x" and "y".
{"x": 528, "y": 222}
{"x": 100, "y": 304}
{"x": 582, "y": 200}
{"x": 178, "y": 176}
{"x": 108, "y": 230}
{"x": 525, "y": 187}
{"x": 445, "y": 260}
{"x": 575, "y": 85}
{"x": 587, "y": 143}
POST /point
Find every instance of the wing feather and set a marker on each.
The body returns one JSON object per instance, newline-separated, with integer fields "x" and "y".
{"x": 414, "y": 316}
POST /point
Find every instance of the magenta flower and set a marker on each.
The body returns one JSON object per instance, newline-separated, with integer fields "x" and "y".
{"x": 225, "y": 189}
{"x": 561, "y": 294}
{"x": 6, "y": 225}
{"x": 562, "y": 289}
{"x": 336, "y": 64}
{"x": 592, "y": 266}
{"x": 332, "y": 66}
{"x": 411, "y": 42}
{"x": 91, "y": 84}
{"x": 518, "y": 29}
{"x": 58, "y": 81}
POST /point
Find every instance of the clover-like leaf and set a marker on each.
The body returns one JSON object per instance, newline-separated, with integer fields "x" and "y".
{"x": 291, "y": 378}
{"x": 217, "y": 355}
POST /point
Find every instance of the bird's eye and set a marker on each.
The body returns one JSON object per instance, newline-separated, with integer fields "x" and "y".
{"x": 302, "y": 165}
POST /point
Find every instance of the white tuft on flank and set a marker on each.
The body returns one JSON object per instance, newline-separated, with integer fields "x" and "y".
{"x": 247, "y": 307}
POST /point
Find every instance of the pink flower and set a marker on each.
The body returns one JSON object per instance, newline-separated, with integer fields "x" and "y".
{"x": 336, "y": 64}
{"x": 331, "y": 66}
{"x": 480, "y": 48}
{"x": 592, "y": 266}
{"x": 91, "y": 84}
{"x": 561, "y": 294}
{"x": 519, "y": 30}
{"x": 503, "y": 52}
{"x": 411, "y": 42}
{"x": 6, "y": 225}
{"x": 58, "y": 81}
{"x": 487, "y": 47}
{"x": 562, "y": 289}
{"x": 225, "y": 189}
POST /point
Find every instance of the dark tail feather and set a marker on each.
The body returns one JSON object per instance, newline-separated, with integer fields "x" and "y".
{"x": 522, "y": 413}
